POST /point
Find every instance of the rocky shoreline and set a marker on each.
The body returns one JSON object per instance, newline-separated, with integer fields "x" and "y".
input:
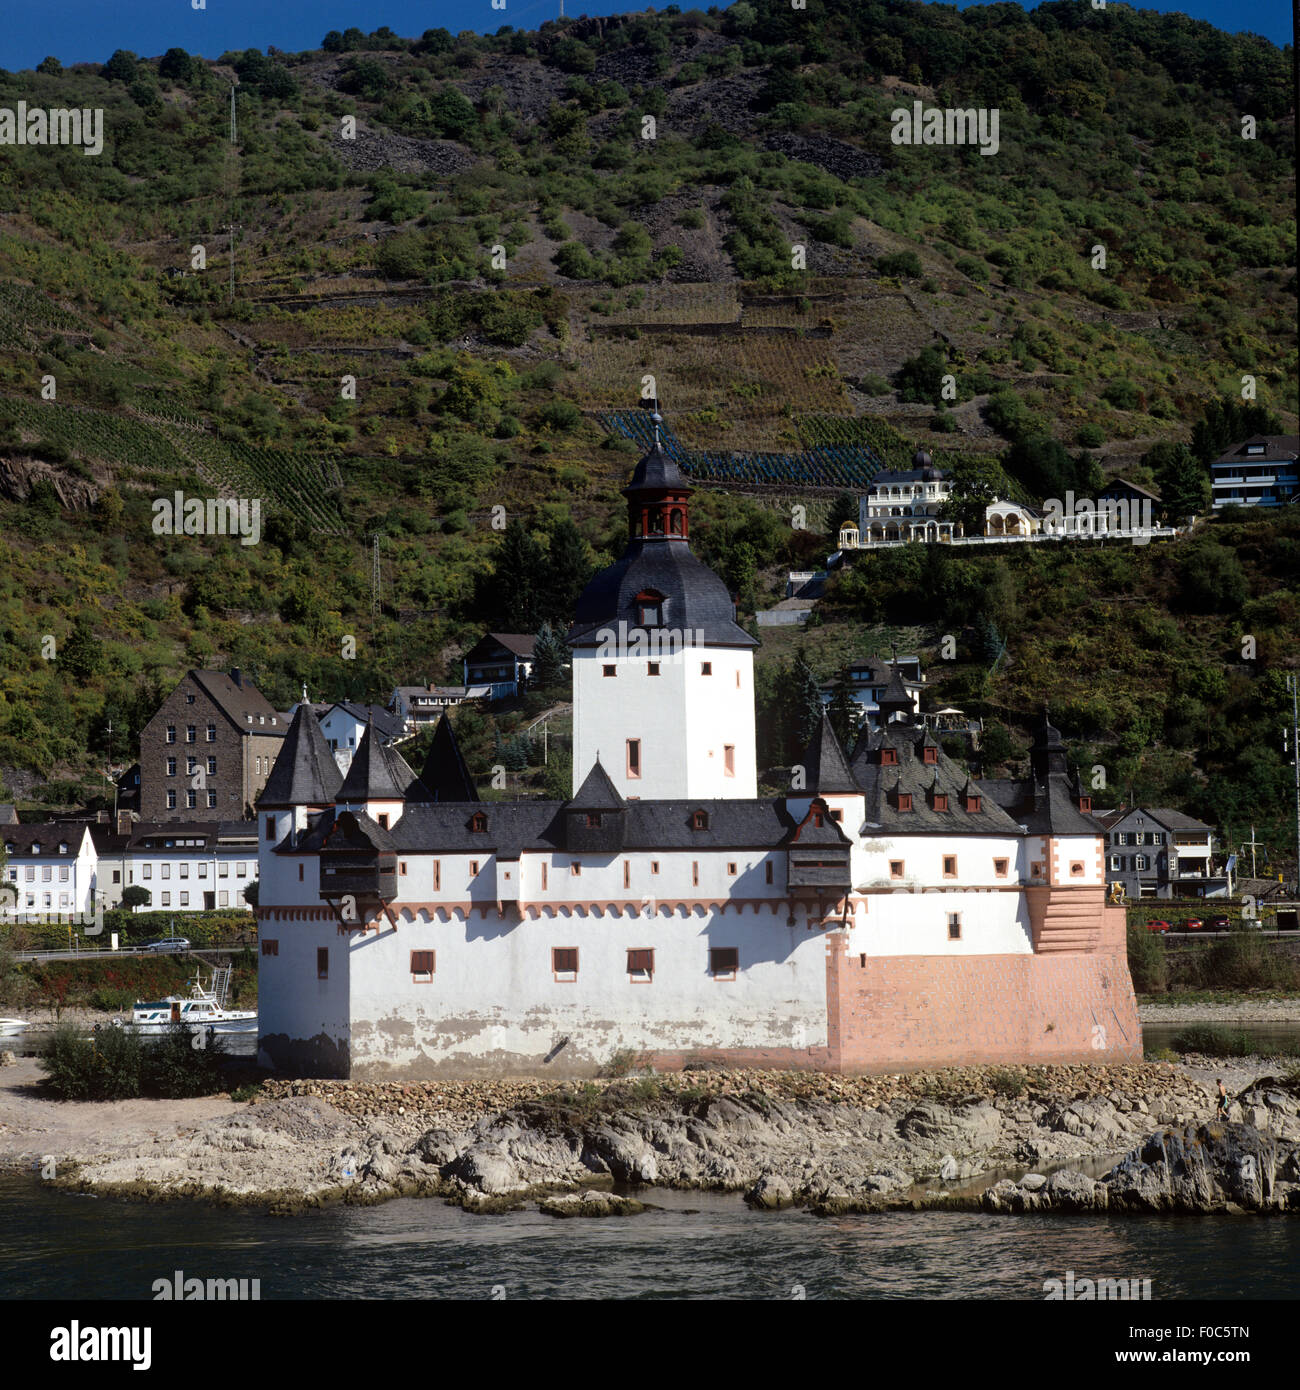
{"x": 1137, "y": 1137}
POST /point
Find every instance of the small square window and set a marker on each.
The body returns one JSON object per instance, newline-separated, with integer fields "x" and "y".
{"x": 889, "y": 757}
{"x": 564, "y": 963}
{"x": 950, "y": 866}
{"x": 641, "y": 965}
{"x": 652, "y": 668}
{"x": 609, "y": 670}
{"x": 724, "y": 961}
{"x": 896, "y": 868}
{"x": 1000, "y": 868}
{"x": 270, "y": 947}
{"x": 731, "y": 868}
{"x": 422, "y": 963}
{"x": 1076, "y": 868}
{"x": 706, "y": 668}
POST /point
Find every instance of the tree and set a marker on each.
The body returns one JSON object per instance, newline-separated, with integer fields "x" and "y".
{"x": 919, "y": 378}
{"x": 1228, "y": 421}
{"x": 176, "y": 66}
{"x": 250, "y": 893}
{"x": 50, "y": 66}
{"x": 1211, "y": 580}
{"x": 1183, "y": 482}
{"x": 845, "y": 713}
{"x": 566, "y": 572}
{"x": 83, "y": 654}
{"x": 121, "y": 67}
{"x": 976, "y": 480}
{"x": 843, "y": 509}
{"x": 805, "y": 704}
{"x": 133, "y": 896}
{"x": 509, "y": 597}
{"x": 550, "y": 659}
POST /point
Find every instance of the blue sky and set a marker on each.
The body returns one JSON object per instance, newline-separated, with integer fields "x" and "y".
{"x": 89, "y": 30}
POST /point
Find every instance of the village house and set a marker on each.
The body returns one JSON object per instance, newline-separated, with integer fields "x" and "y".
{"x": 208, "y": 751}
{"x": 1261, "y": 471}
{"x": 886, "y": 911}
{"x": 1160, "y": 853}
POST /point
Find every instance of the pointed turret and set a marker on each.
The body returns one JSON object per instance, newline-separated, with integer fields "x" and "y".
{"x": 1048, "y": 754}
{"x": 305, "y": 773}
{"x": 598, "y": 792}
{"x": 826, "y": 770}
{"x": 444, "y": 774}
{"x": 896, "y": 701}
{"x": 595, "y": 819}
{"x": 379, "y": 773}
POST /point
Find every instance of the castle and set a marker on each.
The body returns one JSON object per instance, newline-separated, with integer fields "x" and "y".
{"x": 887, "y": 912}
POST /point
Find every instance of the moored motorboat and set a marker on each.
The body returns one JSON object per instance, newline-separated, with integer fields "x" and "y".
{"x": 11, "y": 1027}
{"x": 203, "y": 1008}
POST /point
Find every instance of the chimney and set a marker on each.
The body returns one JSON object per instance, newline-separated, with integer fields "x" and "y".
{"x": 237, "y": 676}
{"x": 123, "y": 822}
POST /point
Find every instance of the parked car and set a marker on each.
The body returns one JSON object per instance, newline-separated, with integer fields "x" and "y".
{"x": 170, "y": 943}
{"x": 1157, "y": 924}
{"x": 1193, "y": 924}
{"x": 1220, "y": 924}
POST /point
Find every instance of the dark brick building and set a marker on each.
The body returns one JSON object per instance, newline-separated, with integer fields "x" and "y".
{"x": 208, "y": 751}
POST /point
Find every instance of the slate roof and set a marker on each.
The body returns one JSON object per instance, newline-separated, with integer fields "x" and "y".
{"x": 597, "y": 792}
{"x": 520, "y": 643}
{"x": 354, "y": 830}
{"x": 656, "y": 472}
{"x": 896, "y": 695}
{"x": 237, "y": 702}
{"x": 1277, "y": 448}
{"x": 49, "y": 835}
{"x": 882, "y": 783}
{"x": 1047, "y": 806}
{"x": 305, "y": 773}
{"x": 444, "y": 775}
{"x": 379, "y": 773}
{"x": 1171, "y": 820}
{"x": 826, "y": 769}
{"x": 695, "y": 600}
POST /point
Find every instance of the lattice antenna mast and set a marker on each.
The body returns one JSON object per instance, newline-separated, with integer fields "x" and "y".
{"x": 374, "y": 575}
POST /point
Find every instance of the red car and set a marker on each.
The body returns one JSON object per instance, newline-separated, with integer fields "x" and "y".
{"x": 1220, "y": 923}
{"x": 1156, "y": 924}
{"x": 1193, "y": 924}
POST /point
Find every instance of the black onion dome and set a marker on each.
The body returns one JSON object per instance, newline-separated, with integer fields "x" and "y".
{"x": 695, "y": 600}
{"x": 656, "y": 472}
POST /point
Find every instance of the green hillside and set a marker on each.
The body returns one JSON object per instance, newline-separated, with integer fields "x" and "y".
{"x": 495, "y": 260}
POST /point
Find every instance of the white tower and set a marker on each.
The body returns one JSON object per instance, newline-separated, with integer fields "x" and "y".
{"x": 663, "y": 680}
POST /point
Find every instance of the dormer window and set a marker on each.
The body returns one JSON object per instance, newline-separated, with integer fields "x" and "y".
{"x": 929, "y": 755}
{"x": 889, "y": 757}
{"x": 650, "y": 608}
{"x": 973, "y": 804}
{"x": 818, "y": 819}
{"x": 904, "y": 801}
{"x": 36, "y": 846}
{"x": 593, "y": 820}
{"x": 478, "y": 823}
{"x": 940, "y": 801}
{"x": 1085, "y": 803}
{"x": 63, "y": 849}
{"x": 699, "y": 820}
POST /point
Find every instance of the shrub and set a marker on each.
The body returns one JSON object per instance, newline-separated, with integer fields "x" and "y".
{"x": 172, "y": 1067}
{"x": 1147, "y": 961}
{"x": 1008, "y": 1081}
{"x": 1090, "y": 436}
{"x": 1214, "y": 1040}
{"x": 104, "y": 1066}
{"x": 903, "y": 263}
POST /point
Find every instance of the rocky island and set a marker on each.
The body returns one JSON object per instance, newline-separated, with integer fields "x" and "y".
{"x": 1128, "y": 1138}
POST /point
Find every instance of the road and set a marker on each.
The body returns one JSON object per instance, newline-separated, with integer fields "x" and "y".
{"x": 127, "y": 952}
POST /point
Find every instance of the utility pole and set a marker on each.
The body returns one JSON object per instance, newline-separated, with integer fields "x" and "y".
{"x": 1254, "y": 845}
{"x": 1293, "y": 685}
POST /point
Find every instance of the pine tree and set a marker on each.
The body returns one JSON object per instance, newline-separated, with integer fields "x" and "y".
{"x": 509, "y": 597}
{"x": 805, "y": 704}
{"x": 565, "y": 571}
{"x": 550, "y": 659}
{"x": 844, "y": 713}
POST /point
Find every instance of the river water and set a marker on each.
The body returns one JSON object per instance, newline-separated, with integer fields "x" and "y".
{"x": 699, "y": 1246}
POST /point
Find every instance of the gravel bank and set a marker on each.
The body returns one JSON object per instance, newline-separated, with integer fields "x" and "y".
{"x": 1237, "y": 1011}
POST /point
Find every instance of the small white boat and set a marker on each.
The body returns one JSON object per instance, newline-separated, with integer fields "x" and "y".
{"x": 11, "y": 1027}
{"x": 205, "y": 1008}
